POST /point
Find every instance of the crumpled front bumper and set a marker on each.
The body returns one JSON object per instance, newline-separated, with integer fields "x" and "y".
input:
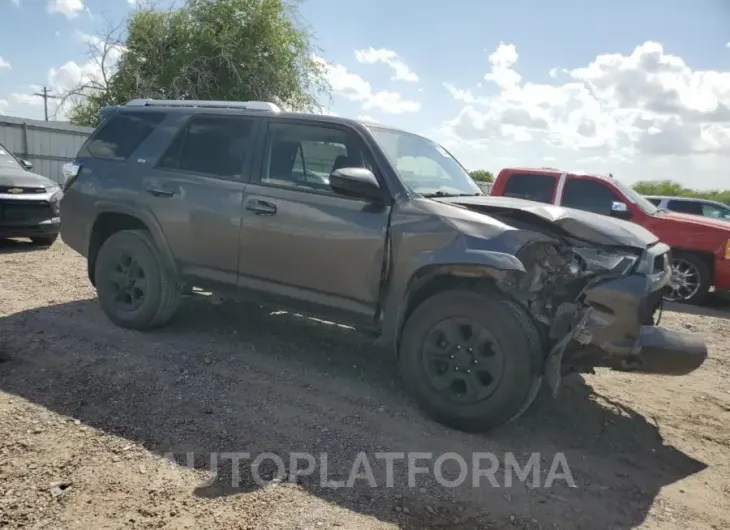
{"x": 619, "y": 331}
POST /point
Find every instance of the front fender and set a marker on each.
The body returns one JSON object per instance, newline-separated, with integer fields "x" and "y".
{"x": 471, "y": 263}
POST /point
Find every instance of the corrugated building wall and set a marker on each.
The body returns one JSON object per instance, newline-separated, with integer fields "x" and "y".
{"x": 47, "y": 144}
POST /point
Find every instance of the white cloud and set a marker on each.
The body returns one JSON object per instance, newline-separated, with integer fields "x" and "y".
{"x": 502, "y": 61}
{"x": 67, "y": 77}
{"x": 367, "y": 118}
{"x": 69, "y": 8}
{"x": 4, "y": 63}
{"x": 401, "y": 72}
{"x": 16, "y": 2}
{"x": 646, "y": 104}
{"x": 26, "y": 99}
{"x": 4, "y": 106}
{"x": 355, "y": 88}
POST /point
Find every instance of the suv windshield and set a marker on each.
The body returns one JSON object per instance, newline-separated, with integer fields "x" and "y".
{"x": 632, "y": 195}
{"x": 7, "y": 160}
{"x": 424, "y": 166}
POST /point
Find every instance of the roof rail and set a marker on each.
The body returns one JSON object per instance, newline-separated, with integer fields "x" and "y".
{"x": 248, "y": 105}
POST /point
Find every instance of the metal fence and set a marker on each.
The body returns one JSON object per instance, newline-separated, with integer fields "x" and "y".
{"x": 47, "y": 144}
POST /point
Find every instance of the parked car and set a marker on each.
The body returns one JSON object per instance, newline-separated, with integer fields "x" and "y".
{"x": 29, "y": 203}
{"x": 692, "y": 206}
{"x": 700, "y": 246}
{"x": 481, "y": 298}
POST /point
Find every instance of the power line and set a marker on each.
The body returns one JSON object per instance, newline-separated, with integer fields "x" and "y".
{"x": 46, "y": 95}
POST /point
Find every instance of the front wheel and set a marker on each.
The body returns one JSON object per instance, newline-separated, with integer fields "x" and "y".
{"x": 472, "y": 361}
{"x": 135, "y": 290}
{"x": 691, "y": 280}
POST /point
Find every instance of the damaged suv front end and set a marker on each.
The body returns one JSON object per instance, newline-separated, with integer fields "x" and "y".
{"x": 595, "y": 286}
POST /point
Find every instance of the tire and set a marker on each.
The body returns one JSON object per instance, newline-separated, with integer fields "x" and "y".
{"x": 522, "y": 359}
{"x": 161, "y": 295}
{"x": 45, "y": 241}
{"x": 702, "y": 272}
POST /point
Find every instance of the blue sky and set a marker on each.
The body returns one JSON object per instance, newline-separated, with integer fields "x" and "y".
{"x": 635, "y": 88}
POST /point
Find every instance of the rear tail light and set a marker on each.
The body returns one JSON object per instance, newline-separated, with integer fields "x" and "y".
{"x": 727, "y": 249}
{"x": 70, "y": 171}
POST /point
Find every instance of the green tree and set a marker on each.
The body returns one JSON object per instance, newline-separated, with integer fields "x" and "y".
{"x": 224, "y": 50}
{"x": 675, "y": 189}
{"x": 482, "y": 175}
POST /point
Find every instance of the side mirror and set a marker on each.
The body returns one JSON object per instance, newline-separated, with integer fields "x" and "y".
{"x": 620, "y": 210}
{"x": 26, "y": 164}
{"x": 356, "y": 182}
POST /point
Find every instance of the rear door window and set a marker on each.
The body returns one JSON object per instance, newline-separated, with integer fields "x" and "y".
{"x": 690, "y": 207}
{"x": 216, "y": 146}
{"x": 531, "y": 186}
{"x": 122, "y": 133}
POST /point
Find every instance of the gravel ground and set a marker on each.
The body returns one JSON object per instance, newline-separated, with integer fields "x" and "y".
{"x": 89, "y": 414}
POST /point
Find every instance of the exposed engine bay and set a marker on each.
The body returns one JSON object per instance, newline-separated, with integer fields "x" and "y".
{"x": 593, "y": 286}
{"x": 558, "y": 273}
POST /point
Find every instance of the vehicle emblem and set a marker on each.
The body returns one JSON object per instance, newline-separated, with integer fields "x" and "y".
{"x": 15, "y": 190}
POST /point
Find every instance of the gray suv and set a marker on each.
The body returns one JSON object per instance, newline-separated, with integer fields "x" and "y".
{"x": 483, "y": 298}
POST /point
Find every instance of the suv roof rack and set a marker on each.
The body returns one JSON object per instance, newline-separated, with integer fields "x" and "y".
{"x": 247, "y": 105}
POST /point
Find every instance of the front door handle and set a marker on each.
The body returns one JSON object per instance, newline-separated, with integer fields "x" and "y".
{"x": 160, "y": 192}
{"x": 261, "y": 207}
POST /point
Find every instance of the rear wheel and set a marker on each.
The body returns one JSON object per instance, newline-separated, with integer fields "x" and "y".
{"x": 472, "y": 361}
{"x": 691, "y": 279}
{"x": 45, "y": 241}
{"x": 135, "y": 290}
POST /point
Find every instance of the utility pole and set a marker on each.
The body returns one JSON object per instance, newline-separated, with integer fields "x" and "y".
{"x": 46, "y": 95}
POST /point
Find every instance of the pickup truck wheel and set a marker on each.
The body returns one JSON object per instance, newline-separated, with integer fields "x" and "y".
{"x": 690, "y": 281}
{"x": 472, "y": 361}
{"x": 134, "y": 288}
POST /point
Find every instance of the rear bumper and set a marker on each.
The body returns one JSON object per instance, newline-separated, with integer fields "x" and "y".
{"x": 619, "y": 332}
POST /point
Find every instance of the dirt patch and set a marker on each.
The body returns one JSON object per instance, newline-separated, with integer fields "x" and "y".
{"x": 91, "y": 415}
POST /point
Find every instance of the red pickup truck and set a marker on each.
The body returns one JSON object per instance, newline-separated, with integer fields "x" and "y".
{"x": 700, "y": 246}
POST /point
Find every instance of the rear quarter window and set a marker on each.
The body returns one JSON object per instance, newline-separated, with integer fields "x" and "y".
{"x": 530, "y": 186}
{"x": 119, "y": 136}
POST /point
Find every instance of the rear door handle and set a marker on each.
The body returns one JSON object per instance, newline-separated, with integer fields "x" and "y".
{"x": 160, "y": 192}
{"x": 261, "y": 207}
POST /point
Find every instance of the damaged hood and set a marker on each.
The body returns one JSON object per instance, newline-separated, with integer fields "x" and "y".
{"x": 587, "y": 226}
